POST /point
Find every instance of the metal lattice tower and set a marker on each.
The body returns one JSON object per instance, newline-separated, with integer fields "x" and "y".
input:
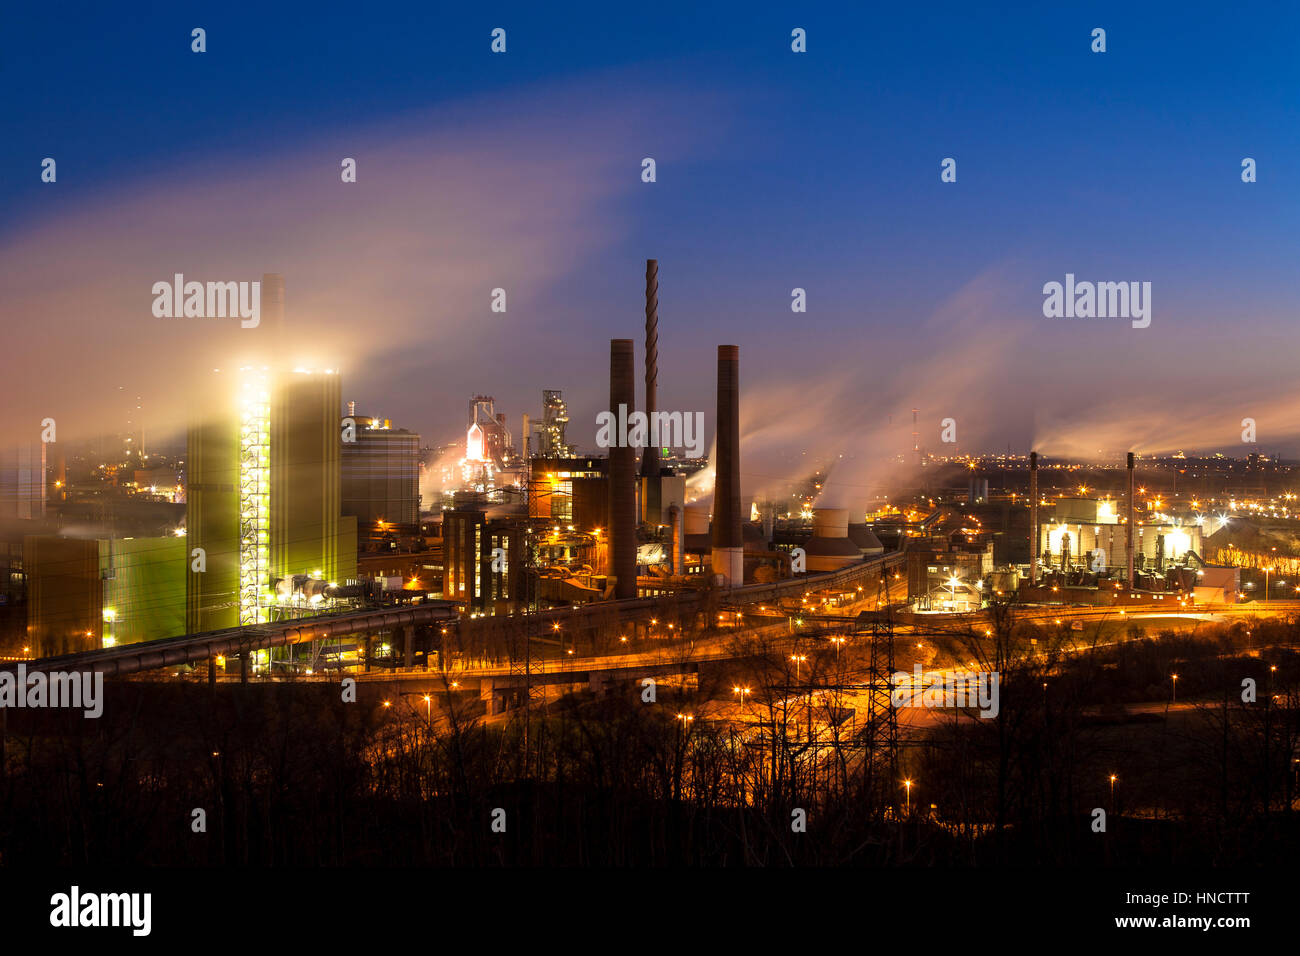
{"x": 523, "y": 663}
{"x": 880, "y": 736}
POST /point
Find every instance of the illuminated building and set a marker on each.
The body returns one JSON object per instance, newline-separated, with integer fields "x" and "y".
{"x": 487, "y": 437}
{"x": 483, "y": 561}
{"x": 381, "y": 474}
{"x": 87, "y": 593}
{"x": 264, "y": 499}
{"x": 550, "y": 431}
{"x": 932, "y": 571}
{"x": 569, "y": 490}
{"x": 309, "y": 534}
{"x": 488, "y": 447}
{"x": 1088, "y": 532}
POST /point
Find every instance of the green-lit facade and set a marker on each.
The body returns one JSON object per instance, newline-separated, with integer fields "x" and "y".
{"x": 263, "y": 497}
{"x": 87, "y": 593}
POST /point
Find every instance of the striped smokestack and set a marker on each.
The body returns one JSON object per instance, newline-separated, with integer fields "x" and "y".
{"x": 622, "y": 471}
{"x": 728, "y": 547}
{"x": 650, "y": 459}
{"x": 1132, "y": 520}
{"x": 1033, "y": 518}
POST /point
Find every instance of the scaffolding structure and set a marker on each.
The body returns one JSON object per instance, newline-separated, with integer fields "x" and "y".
{"x": 254, "y": 493}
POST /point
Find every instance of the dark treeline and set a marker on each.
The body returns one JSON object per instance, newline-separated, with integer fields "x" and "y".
{"x": 289, "y": 774}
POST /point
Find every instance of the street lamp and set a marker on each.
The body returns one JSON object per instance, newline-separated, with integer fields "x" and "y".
{"x": 1112, "y": 793}
{"x": 1174, "y": 679}
{"x": 798, "y": 661}
{"x": 907, "y": 785}
{"x": 741, "y": 692}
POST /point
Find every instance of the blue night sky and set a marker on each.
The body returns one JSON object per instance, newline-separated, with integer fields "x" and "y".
{"x": 775, "y": 170}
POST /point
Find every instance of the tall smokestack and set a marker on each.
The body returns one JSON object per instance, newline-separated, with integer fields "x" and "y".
{"x": 728, "y": 547}
{"x": 1033, "y": 519}
{"x": 271, "y": 321}
{"x": 677, "y": 539}
{"x": 527, "y": 440}
{"x": 916, "y": 440}
{"x": 650, "y": 458}
{"x": 622, "y": 472}
{"x": 1132, "y": 520}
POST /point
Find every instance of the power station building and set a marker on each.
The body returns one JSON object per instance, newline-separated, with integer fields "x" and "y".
{"x": 593, "y": 525}
{"x": 381, "y": 472}
{"x": 87, "y": 593}
{"x": 483, "y": 561}
{"x": 1089, "y": 532}
{"x": 546, "y": 438}
{"x": 264, "y": 500}
{"x": 549, "y": 432}
{"x": 265, "y": 535}
{"x": 570, "y": 490}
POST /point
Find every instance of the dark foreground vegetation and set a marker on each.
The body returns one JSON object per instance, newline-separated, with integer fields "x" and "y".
{"x": 288, "y": 774}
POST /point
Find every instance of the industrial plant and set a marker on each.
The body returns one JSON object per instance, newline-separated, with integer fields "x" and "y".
{"x": 295, "y": 507}
{"x": 643, "y": 460}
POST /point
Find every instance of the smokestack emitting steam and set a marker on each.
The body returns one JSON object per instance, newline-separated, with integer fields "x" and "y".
{"x": 1033, "y": 519}
{"x": 650, "y": 458}
{"x": 728, "y": 547}
{"x": 1132, "y": 516}
{"x": 622, "y": 473}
